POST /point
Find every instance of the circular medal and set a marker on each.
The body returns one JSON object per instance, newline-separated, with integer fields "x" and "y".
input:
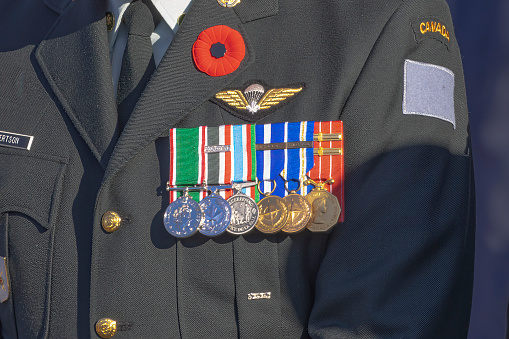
{"x": 244, "y": 214}
{"x": 183, "y": 217}
{"x": 273, "y": 214}
{"x": 325, "y": 210}
{"x": 299, "y": 213}
{"x": 217, "y": 214}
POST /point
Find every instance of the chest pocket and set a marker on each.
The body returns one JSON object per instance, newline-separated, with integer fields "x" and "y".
{"x": 30, "y": 187}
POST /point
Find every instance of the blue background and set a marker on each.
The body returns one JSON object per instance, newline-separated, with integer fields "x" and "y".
{"x": 482, "y": 30}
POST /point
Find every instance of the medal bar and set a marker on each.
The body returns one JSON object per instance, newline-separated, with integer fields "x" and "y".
{"x": 327, "y": 151}
{"x": 327, "y": 137}
{"x": 320, "y": 151}
{"x": 284, "y": 145}
{"x": 237, "y": 186}
{"x": 299, "y": 144}
{"x": 227, "y": 157}
{"x": 281, "y": 145}
{"x": 216, "y": 149}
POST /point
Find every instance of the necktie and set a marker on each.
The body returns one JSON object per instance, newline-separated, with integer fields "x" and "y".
{"x": 138, "y": 60}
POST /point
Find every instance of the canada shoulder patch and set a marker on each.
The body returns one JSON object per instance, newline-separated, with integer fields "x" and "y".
{"x": 256, "y": 100}
{"x": 432, "y": 28}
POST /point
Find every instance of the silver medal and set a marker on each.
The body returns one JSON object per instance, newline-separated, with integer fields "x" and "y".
{"x": 183, "y": 217}
{"x": 244, "y": 214}
{"x": 216, "y": 215}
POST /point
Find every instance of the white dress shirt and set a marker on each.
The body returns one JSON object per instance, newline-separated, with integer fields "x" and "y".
{"x": 170, "y": 11}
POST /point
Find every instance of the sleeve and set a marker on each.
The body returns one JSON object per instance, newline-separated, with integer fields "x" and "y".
{"x": 401, "y": 265}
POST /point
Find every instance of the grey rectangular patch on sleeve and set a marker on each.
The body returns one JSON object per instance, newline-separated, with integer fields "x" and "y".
{"x": 429, "y": 91}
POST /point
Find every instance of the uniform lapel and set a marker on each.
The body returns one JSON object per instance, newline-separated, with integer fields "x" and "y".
{"x": 177, "y": 87}
{"x": 75, "y": 60}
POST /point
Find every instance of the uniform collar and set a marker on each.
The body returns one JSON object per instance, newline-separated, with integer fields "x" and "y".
{"x": 78, "y": 43}
{"x": 170, "y": 10}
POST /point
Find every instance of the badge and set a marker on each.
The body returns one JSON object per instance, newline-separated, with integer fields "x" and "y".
{"x": 431, "y": 28}
{"x": 183, "y": 217}
{"x": 325, "y": 208}
{"x": 244, "y": 213}
{"x": 256, "y": 100}
{"x": 216, "y": 214}
{"x": 273, "y": 213}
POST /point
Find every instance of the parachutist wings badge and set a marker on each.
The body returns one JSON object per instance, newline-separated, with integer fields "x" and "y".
{"x": 255, "y": 102}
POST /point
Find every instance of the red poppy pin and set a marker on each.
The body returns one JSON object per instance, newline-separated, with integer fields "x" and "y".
{"x": 218, "y": 50}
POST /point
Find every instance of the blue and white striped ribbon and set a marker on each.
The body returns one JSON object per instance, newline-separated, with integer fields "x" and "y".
{"x": 270, "y": 163}
{"x": 298, "y": 161}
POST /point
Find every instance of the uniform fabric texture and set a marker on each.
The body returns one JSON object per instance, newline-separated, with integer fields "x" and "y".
{"x": 138, "y": 61}
{"x": 399, "y": 266}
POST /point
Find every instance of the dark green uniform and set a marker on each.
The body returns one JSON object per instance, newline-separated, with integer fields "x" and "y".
{"x": 400, "y": 266}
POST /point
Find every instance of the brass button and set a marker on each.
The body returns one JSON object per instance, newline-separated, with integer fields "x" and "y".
{"x": 111, "y": 221}
{"x": 106, "y": 328}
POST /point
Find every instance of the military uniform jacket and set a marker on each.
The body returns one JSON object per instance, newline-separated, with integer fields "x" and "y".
{"x": 400, "y": 266}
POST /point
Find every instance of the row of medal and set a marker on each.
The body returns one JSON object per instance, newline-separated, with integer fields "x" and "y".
{"x": 251, "y": 168}
{"x": 318, "y": 211}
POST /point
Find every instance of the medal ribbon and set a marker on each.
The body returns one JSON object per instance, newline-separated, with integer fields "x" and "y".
{"x": 330, "y": 166}
{"x": 192, "y": 161}
{"x": 298, "y": 161}
{"x": 238, "y": 163}
{"x": 187, "y": 159}
{"x": 244, "y": 155}
{"x": 269, "y": 163}
{"x": 218, "y": 162}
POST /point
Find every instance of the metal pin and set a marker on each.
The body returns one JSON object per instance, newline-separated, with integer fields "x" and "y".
{"x": 327, "y": 151}
{"x": 327, "y": 137}
{"x": 240, "y": 185}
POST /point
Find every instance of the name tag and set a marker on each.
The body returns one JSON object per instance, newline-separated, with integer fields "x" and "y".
{"x": 15, "y": 140}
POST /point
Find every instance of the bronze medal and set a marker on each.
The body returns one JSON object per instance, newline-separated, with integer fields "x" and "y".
{"x": 325, "y": 207}
{"x": 325, "y": 210}
{"x": 273, "y": 214}
{"x": 299, "y": 213}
